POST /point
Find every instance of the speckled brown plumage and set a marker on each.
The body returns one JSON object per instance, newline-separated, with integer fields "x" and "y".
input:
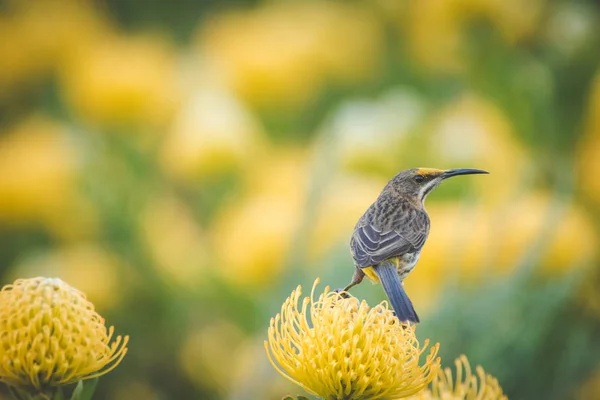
{"x": 391, "y": 227}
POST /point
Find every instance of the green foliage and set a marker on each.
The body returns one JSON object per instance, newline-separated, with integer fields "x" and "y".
{"x": 85, "y": 389}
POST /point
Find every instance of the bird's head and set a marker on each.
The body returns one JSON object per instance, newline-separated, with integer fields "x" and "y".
{"x": 417, "y": 183}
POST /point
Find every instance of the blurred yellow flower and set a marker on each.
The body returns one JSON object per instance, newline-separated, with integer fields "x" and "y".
{"x": 476, "y": 240}
{"x": 36, "y": 169}
{"x": 135, "y": 390}
{"x": 52, "y": 336}
{"x": 282, "y": 53}
{"x": 254, "y": 233}
{"x": 89, "y": 267}
{"x": 123, "y": 80}
{"x": 19, "y": 62}
{"x": 590, "y": 389}
{"x": 39, "y": 168}
{"x": 212, "y": 134}
{"x": 573, "y": 241}
{"x": 174, "y": 240}
{"x": 452, "y": 227}
{"x": 208, "y": 355}
{"x": 588, "y": 298}
{"x": 433, "y": 35}
{"x": 588, "y": 160}
{"x": 434, "y": 28}
{"x": 339, "y": 348}
{"x": 254, "y": 238}
{"x": 31, "y": 50}
{"x": 462, "y": 387}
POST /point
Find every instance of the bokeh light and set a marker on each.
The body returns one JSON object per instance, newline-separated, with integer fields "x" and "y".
{"x": 186, "y": 165}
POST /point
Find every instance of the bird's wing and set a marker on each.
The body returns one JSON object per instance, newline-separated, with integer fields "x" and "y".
{"x": 371, "y": 245}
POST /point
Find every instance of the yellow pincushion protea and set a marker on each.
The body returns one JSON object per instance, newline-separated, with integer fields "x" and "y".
{"x": 342, "y": 349}
{"x": 50, "y": 335}
{"x": 465, "y": 387}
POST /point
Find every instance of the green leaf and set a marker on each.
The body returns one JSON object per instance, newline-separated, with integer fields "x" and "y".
{"x": 85, "y": 389}
{"x": 58, "y": 394}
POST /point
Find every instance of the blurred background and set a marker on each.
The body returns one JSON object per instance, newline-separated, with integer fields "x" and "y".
{"x": 187, "y": 164}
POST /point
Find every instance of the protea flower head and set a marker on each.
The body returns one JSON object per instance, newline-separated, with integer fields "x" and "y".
{"x": 50, "y": 335}
{"x": 339, "y": 348}
{"x": 465, "y": 385}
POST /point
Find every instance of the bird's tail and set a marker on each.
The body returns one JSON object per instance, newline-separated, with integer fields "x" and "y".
{"x": 395, "y": 291}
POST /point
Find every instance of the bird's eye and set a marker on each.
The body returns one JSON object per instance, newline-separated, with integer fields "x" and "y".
{"x": 419, "y": 178}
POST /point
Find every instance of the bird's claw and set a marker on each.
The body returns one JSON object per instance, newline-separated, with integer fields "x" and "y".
{"x": 342, "y": 293}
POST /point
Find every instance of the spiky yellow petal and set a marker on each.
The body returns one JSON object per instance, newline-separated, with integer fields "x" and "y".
{"x": 50, "y": 335}
{"x": 341, "y": 349}
{"x": 466, "y": 386}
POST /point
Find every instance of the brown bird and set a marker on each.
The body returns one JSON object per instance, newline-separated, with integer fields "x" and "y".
{"x": 388, "y": 238}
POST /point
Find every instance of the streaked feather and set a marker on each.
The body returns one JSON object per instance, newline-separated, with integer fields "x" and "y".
{"x": 394, "y": 233}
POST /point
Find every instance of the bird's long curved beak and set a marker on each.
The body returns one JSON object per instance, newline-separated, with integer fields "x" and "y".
{"x": 462, "y": 171}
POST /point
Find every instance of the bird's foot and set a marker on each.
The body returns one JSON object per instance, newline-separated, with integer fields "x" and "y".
{"x": 342, "y": 293}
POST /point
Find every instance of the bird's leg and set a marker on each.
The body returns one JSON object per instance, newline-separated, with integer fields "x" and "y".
{"x": 356, "y": 279}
